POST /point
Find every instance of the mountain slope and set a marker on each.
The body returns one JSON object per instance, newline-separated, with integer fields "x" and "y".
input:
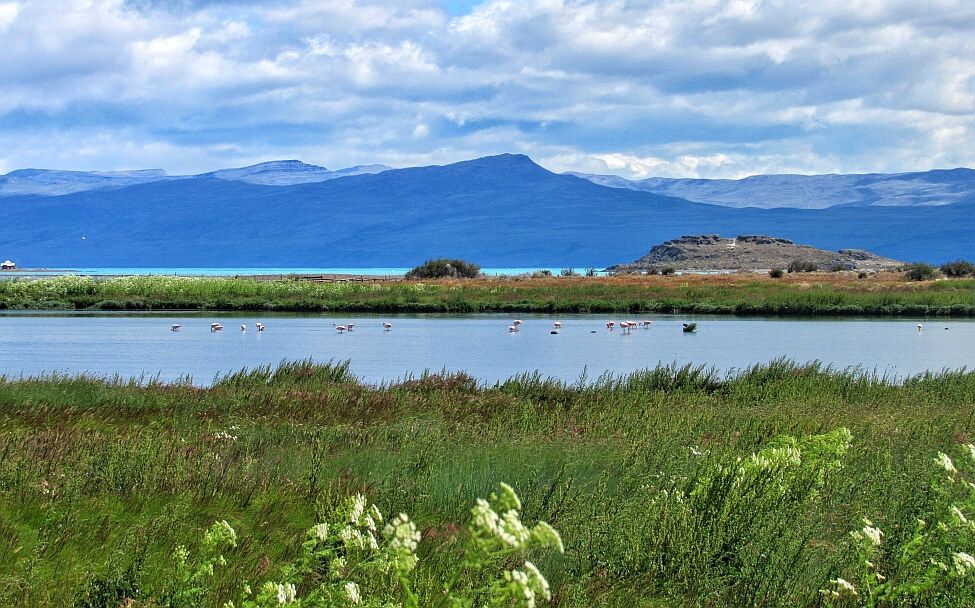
{"x": 497, "y": 211}
{"x": 937, "y": 187}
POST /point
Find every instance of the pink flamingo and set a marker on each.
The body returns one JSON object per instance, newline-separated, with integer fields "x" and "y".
{"x": 387, "y": 326}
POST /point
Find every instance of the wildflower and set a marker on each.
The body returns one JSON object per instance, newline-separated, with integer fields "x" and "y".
{"x": 352, "y": 592}
{"x": 843, "y": 586}
{"x": 959, "y": 515}
{"x": 547, "y": 536}
{"x": 376, "y": 514}
{"x": 286, "y": 593}
{"x": 971, "y": 450}
{"x": 945, "y": 463}
{"x": 402, "y": 534}
{"x": 357, "y": 508}
{"x": 871, "y": 533}
{"x": 520, "y": 585}
{"x": 538, "y": 581}
{"x": 321, "y": 531}
{"x": 509, "y": 498}
{"x": 963, "y": 562}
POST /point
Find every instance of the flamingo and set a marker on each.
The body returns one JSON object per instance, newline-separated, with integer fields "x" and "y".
{"x": 243, "y": 327}
{"x": 215, "y": 327}
{"x": 349, "y": 326}
{"x": 387, "y": 326}
{"x": 512, "y": 328}
{"x": 610, "y": 324}
{"x": 176, "y": 327}
{"x": 557, "y": 324}
{"x": 516, "y": 322}
{"x": 259, "y": 326}
{"x": 340, "y": 328}
{"x": 920, "y": 327}
{"x": 647, "y": 323}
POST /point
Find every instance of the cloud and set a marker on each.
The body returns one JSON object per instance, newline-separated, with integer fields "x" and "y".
{"x": 638, "y": 88}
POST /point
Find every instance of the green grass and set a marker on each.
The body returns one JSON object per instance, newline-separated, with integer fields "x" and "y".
{"x": 100, "y": 481}
{"x": 756, "y": 295}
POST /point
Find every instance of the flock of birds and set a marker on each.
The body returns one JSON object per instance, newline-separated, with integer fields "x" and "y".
{"x": 515, "y": 326}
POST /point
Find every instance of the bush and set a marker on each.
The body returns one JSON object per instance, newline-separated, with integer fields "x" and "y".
{"x": 919, "y": 271}
{"x": 443, "y": 268}
{"x": 776, "y": 273}
{"x": 958, "y": 268}
{"x": 862, "y": 274}
{"x": 590, "y": 272}
{"x": 667, "y": 270}
{"x": 802, "y": 266}
{"x": 568, "y": 272}
{"x": 653, "y": 270}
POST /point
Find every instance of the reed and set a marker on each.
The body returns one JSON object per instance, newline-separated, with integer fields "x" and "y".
{"x": 101, "y": 479}
{"x": 816, "y": 294}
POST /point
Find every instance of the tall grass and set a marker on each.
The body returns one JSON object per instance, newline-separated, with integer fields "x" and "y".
{"x": 100, "y": 480}
{"x": 569, "y": 295}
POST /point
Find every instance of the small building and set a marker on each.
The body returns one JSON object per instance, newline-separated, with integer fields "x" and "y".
{"x": 7, "y": 265}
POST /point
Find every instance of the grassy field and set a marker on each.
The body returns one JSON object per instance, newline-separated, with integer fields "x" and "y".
{"x": 668, "y": 486}
{"x": 799, "y": 294}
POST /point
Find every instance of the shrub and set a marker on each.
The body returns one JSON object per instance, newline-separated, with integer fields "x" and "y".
{"x": 919, "y": 271}
{"x": 776, "y": 273}
{"x": 958, "y": 268}
{"x": 668, "y": 270}
{"x": 862, "y": 274}
{"x": 444, "y": 268}
{"x": 568, "y": 272}
{"x": 590, "y": 272}
{"x": 840, "y": 267}
{"x": 802, "y": 266}
{"x": 653, "y": 270}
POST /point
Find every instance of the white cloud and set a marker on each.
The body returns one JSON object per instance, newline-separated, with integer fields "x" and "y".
{"x": 640, "y": 87}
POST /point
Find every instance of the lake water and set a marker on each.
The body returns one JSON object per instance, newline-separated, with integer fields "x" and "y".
{"x": 142, "y": 344}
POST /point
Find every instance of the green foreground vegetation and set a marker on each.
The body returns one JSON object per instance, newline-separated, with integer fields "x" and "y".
{"x": 670, "y": 487}
{"x": 731, "y": 295}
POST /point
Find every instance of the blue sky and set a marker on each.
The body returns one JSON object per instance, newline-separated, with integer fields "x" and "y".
{"x": 639, "y": 88}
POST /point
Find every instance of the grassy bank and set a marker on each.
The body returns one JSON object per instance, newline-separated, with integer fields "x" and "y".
{"x": 645, "y": 476}
{"x": 805, "y": 294}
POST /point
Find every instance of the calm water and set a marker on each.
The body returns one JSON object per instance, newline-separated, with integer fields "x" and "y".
{"x": 142, "y": 344}
{"x": 230, "y": 272}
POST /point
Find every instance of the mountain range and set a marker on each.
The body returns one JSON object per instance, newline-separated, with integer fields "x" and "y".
{"x": 498, "y": 211}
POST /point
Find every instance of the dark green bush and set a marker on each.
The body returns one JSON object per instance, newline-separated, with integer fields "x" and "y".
{"x": 776, "y": 273}
{"x": 958, "y": 268}
{"x": 668, "y": 270}
{"x": 919, "y": 271}
{"x": 442, "y": 268}
{"x": 802, "y": 266}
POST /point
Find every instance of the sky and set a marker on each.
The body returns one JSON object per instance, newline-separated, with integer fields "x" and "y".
{"x": 675, "y": 88}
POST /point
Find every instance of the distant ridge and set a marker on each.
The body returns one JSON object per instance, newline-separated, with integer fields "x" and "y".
{"x": 925, "y": 188}
{"x": 499, "y": 211}
{"x": 47, "y": 182}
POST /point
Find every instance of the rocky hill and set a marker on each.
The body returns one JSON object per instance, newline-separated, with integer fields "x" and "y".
{"x": 713, "y": 253}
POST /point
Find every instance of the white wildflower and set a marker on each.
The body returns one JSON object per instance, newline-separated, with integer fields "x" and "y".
{"x": 509, "y": 498}
{"x": 286, "y": 593}
{"x": 539, "y": 583}
{"x": 970, "y": 448}
{"x": 959, "y": 515}
{"x": 376, "y": 514}
{"x": 352, "y": 592}
{"x": 945, "y": 463}
{"x": 321, "y": 531}
{"x": 521, "y": 586}
{"x": 373, "y": 544}
{"x": 548, "y": 536}
{"x": 871, "y": 533}
{"x": 963, "y": 563}
{"x": 402, "y": 534}
{"x": 843, "y": 586}
{"x": 357, "y": 508}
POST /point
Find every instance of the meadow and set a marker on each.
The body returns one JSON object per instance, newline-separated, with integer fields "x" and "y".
{"x": 670, "y": 487}
{"x": 795, "y": 294}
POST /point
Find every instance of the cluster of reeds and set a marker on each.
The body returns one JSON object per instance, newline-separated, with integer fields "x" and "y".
{"x": 673, "y": 486}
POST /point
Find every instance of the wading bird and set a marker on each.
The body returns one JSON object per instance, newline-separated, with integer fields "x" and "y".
{"x": 215, "y": 327}
{"x": 176, "y": 327}
{"x": 387, "y": 326}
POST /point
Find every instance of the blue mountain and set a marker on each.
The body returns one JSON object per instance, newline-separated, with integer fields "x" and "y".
{"x": 937, "y": 187}
{"x": 499, "y": 211}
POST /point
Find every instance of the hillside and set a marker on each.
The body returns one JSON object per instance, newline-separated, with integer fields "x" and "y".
{"x": 500, "y": 211}
{"x": 926, "y": 188}
{"x": 744, "y": 253}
